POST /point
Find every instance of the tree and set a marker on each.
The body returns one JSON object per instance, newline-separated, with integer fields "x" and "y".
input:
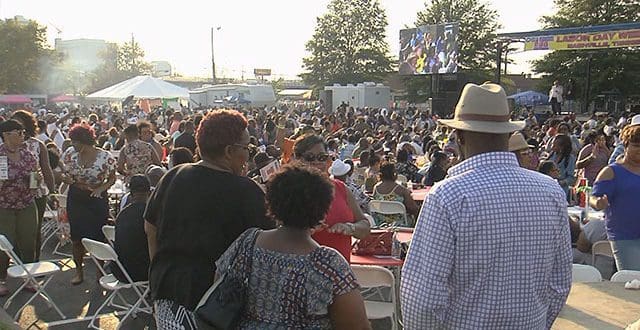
{"x": 478, "y": 27}
{"x": 119, "y": 63}
{"x": 616, "y": 68}
{"x": 131, "y": 59}
{"x": 24, "y": 56}
{"x": 348, "y": 45}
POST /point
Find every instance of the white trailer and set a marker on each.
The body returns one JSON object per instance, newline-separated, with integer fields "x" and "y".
{"x": 362, "y": 95}
{"x": 215, "y": 95}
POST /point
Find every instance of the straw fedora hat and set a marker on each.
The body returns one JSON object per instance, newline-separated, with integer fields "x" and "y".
{"x": 483, "y": 108}
{"x": 517, "y": 142}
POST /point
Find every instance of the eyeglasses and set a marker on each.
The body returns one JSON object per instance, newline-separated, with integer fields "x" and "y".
{"x": 313, "y": 158}
{"x": 16, "y": 132}
{"x": 243, "y": 146}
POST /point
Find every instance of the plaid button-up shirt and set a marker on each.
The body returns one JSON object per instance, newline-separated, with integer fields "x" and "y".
{"x": 491, "y": 250}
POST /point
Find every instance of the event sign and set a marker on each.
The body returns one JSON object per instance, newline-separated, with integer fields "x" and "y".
{"x": 262, "y": 72}
{"x": 582, "y": 41}
{"x": 429, "y": 49}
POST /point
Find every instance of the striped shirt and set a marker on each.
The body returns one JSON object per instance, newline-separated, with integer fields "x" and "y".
{"x": 491, "y": 250}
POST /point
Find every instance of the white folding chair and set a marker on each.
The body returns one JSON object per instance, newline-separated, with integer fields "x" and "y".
{"x": 50, "y": 226}
{"x": 104, "y": 252}
{"x": 626, "y": 276}
{"x": 388, "y": 208}
{"x": 28, "y": 273}
{"x": 110, "y": 233}
{"x": 376, "y": 277}
{"x": 601, "y": 248}
{"x": 372, "y": 222}
{"x": 585, "y": 273}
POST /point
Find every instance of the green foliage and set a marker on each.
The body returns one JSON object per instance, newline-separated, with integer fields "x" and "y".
{"x": 617, "y": 68}
{"x": 478, "y": 26}
{"x": 119, "y": 63}
{"x": 25, "y": 58}
{"x": 348, "y": 45}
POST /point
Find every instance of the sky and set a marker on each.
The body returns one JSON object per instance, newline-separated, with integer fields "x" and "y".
{"x": 253, "y": 33}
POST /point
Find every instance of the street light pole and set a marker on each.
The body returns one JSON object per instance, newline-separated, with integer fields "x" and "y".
{"x": 213, "y": 61}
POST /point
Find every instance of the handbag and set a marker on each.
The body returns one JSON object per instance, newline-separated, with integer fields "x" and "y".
{"x": 379, "y": 242}
{"x": 222, "y": 305}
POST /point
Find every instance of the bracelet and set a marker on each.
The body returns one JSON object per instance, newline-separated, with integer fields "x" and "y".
{"x": 352, "y": 227}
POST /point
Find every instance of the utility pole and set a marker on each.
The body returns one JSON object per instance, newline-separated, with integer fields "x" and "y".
{"x": 133, "y": 53}
{"x": 498, "y": 61}
{"x": 213, "y": 61}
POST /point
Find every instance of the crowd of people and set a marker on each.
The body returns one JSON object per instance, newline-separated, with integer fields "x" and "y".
{"x": 200, "y": 204}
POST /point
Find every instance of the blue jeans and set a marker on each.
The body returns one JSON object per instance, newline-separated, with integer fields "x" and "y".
{"x": 627, "y": 254}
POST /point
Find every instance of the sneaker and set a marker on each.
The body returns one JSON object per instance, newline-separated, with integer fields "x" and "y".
{"x": 3, "y": 289}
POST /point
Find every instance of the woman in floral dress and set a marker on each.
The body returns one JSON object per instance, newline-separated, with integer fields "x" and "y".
{"x": 89, "y": 171}
{"x": 18, "y": 211}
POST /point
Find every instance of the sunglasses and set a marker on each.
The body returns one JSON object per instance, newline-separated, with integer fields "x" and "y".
{"x": 313, "y": 158}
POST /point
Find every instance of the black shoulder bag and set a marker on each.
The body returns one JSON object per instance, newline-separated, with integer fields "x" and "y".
{"x": 221, "y": 307}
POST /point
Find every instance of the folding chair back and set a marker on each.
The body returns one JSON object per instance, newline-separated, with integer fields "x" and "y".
{"x": 29, "y": 274}
{"x": 104, "y": 252}
{"x": 376, "y": 277}
{"x": 7, "y": 247}
{"x": 99, "y": 250}
{"x": 388, "y": 208}
{"x": 372, "y": 222}
{"x": 626, "y": 276}
{"x": 401, "y": 179}
{"x": 373, "y": 276}
{"x": 110, "y": 233}
{"x": 585, "y": 273}
{"x": 601, "y": 248}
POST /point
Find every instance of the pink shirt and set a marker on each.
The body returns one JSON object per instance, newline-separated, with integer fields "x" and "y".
{"x": 339, "y": 211}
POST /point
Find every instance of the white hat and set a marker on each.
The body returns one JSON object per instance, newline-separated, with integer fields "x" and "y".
{"x": 635, "y": 120}
{"x": 339, "y": 168}
{"x": 517, "y": 142}
{"x": 483, "y": 108}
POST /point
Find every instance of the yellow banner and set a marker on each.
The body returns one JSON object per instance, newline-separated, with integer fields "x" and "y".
{"x": 576, "y": 41}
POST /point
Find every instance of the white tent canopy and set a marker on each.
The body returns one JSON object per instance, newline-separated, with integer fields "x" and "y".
{"x": 141, "y": 87}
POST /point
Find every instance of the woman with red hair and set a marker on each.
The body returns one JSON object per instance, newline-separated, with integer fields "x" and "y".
{"x": 89, "y": 171}
{"x": 196, "y": 212}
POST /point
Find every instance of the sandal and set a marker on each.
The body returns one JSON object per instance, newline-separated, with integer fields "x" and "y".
{"x": 3, "y": 289}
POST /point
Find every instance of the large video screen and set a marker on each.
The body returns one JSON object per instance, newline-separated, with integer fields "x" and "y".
{"x": 429, "y": 49}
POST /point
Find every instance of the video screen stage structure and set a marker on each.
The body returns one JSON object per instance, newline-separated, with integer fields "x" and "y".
{"x": 429, "y": 49}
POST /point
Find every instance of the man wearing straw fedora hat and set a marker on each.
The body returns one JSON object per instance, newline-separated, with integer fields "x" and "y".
{"x": 470, "y": 264}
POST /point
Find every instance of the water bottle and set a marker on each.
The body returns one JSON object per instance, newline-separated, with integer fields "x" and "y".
{"x": 395, "y": 246}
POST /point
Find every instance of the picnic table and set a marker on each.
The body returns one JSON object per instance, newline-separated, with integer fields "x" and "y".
{"x": 599, "y": 305}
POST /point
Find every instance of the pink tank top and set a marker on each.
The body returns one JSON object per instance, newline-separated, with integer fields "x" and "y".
{"x": 339, "y": 211}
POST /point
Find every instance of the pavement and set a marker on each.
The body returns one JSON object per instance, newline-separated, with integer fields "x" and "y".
{"x": 78, "y": 302}
{"x": 75, "y": 301}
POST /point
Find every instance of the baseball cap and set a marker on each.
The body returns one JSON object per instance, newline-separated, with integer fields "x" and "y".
{"x": 635, "y": 120}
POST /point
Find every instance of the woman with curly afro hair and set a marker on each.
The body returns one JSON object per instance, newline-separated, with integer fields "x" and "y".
{"x": 294, "y": 282}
